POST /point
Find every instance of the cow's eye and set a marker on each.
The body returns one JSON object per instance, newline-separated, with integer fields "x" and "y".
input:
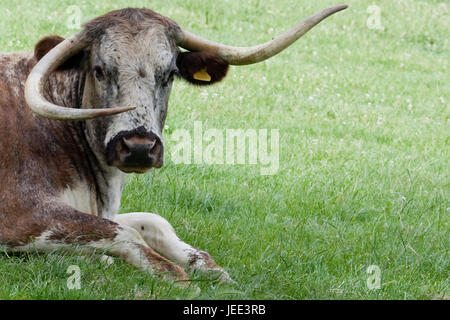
{"x": 98, "y": 73}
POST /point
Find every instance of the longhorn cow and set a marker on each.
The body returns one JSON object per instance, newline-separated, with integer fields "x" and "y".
{"x": 61, "y": 181}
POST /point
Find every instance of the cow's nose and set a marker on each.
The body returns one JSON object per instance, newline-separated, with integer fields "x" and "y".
{"x": 140, "y": 152}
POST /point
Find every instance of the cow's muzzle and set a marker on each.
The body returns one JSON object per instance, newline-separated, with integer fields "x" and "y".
{"x": 135, "y": 151}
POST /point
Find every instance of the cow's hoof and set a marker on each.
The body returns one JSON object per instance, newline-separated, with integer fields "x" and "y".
{"x": 216, "y": 274}
{"x": 203, "y": 262}
{"x": 174, "y": 273}
{"x": 225, "y": 278}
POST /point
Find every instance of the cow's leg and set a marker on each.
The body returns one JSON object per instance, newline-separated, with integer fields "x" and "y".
{"x": 60, "y": 226}
{"x": 160, "y": 235}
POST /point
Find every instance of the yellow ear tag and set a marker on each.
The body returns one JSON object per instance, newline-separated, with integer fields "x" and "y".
{"x": 202, "y": 75}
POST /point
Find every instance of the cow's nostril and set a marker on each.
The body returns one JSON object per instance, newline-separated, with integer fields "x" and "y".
{"x": 151, "y": 145}
{"x": 125, "y": 148}
{"x": 127, "y": 144}
{"x": 136, "y": 152}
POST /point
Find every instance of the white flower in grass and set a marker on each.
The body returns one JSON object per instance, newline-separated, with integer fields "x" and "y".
{"x": 204, "y": 94}
{"x": 380, "y": 120}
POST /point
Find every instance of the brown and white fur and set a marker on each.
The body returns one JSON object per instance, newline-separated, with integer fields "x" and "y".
{"x": 61, "y": 181}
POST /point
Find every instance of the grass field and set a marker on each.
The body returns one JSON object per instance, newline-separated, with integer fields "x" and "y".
{"x": 363, "y": 114}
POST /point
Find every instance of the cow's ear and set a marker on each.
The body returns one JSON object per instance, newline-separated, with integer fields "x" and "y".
{"x": 201, "y": 68}
{"x": 48, "y": 43}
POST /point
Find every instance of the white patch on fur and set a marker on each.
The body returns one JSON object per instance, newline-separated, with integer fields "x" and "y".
{"x": 115, "y": 184}
{"x": 125, "y": 245}
{"x": 159, "y": 235}
{"x": 81, "y": 198}
{"x": 41, "y": 243}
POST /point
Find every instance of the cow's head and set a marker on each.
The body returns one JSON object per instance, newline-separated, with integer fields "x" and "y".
{"x": 129, "y": 59}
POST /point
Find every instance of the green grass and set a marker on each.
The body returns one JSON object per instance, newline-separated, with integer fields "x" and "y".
{"x": 364, "y": 171}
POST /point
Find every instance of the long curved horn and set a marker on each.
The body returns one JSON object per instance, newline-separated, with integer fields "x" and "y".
{"x": 34, "y": 86}
{"x": 258, "y": 53}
